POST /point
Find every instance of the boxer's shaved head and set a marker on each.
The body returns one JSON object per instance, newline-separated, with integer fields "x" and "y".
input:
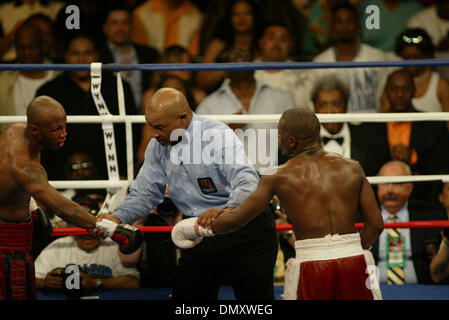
{"x": 46, "y": 122}
{"x": 298, "y": 131}
{"x": 43, "y": 110}
{"x": 166, "y": 111}
{"x": 302, "y": 124}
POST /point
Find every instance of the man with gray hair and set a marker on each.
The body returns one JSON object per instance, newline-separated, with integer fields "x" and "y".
{"x": 358, "y": 142}
{"x": 403, "y": 255}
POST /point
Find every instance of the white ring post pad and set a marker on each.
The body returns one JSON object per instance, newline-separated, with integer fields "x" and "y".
{"x": 108, "y": 226}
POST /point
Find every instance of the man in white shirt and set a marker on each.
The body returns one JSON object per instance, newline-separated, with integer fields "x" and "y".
{"x": 98, "y": 261}
{"x": 275, "y": 46}
{"x": 242, "y": 94}
{"x": 365, "y": 84}
{"x": 435, "y": 20}
{"x": 18, "y": 88}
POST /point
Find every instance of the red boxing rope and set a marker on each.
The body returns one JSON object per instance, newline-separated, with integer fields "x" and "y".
{"x": 402, "y": 225}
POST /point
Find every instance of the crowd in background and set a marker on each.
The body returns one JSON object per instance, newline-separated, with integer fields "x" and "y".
{"x": 203, "y": 31}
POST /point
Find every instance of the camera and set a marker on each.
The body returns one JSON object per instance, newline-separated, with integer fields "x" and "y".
{"x": 167, "y": 208}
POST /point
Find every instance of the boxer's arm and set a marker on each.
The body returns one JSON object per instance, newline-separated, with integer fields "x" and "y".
{"x": 233, "y": 219}
{"x": 372, "y": 217}
{"x": 33, "y": 178}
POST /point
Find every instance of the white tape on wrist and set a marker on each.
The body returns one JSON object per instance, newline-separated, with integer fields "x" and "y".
{"x": 205, "y": 232}
{"x": 108, "y": 226}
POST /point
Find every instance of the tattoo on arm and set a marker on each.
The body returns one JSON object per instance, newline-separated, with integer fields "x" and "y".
{"x": 35, "y": 174}
{"x": 76, "y": 213}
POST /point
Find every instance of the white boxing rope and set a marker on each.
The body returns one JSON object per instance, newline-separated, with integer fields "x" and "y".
{"x": 262, "y": 118}
{"x": 108, "y": 134}
{"x": 89, "y": 184}
{"x": 124, "y": 184}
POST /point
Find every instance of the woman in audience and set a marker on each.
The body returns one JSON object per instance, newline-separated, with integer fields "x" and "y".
{"x": 239, "y": 28}
{"x": 431, "y": 89}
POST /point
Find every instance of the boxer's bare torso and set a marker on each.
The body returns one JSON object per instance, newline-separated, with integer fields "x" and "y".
{"x": 22, "y": 176}
{"x": 15, "y": 157}
{"x": 320, "y": 193}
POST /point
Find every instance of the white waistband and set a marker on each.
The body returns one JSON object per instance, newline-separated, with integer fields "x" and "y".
{"x": 329, "y": 247}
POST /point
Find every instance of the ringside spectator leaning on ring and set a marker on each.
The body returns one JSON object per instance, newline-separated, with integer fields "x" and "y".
{"x": 97, "y": 259}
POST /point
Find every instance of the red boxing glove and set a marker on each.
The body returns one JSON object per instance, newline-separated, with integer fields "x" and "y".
{"x": 128, "y": 237}
{"x": 42, "y": 227}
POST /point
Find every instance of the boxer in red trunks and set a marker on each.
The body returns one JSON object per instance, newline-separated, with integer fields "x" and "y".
{"x": 321, "y": 193}
{"x": 23, "y": 177}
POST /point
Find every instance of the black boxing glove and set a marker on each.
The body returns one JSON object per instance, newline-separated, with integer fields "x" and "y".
{"x": 128, "y": 237}
{"x": 42, "y": 227}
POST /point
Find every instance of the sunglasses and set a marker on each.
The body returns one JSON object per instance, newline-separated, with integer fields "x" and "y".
{"x": 414, "y": 40}
{"x": 81, "y": 165}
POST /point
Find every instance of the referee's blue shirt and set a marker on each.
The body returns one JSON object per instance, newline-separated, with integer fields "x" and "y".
{"x": 194, "y": 185}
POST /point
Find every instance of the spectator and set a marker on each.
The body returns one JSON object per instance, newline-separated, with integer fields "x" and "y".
{"x": 439, "y": 267}
{"x": 243, "y": 94}
{"x": 18, "y": 88}
{"x": 285, "y": 11}
{"x": 45, "y": 25}
{"x": 393, "y": 17}
{"x": 118, "y": 48}
{"x": 174, "y": 54}
{"x": 275, "y": 46}
{"x": 409, "y": 251}
{"x": 317, "y": 31}
{"x": 79, "y": 166}
{"x": 435, "y": 20}
{"x": 239, "y": 28}
{"x": 359, "y": 142}
{"x": 168, "y": 81}
{"x": 157, "y": 259}
{"x": 72, "y": 89}
{"x": 163, "y": 23}
{"x": 12, "y": 15}
{"x": 364, "y": 83}
{"x": 97, "y": 260}
{"x": 431, "y": 89}
{"x": 423, "y": 145}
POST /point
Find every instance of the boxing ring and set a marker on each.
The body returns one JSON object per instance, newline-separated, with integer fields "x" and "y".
{"x": 117, "y": 189}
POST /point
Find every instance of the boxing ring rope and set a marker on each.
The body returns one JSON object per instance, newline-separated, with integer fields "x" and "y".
{"x": 262, "y": 118}
{"x": 410, "y": 225}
